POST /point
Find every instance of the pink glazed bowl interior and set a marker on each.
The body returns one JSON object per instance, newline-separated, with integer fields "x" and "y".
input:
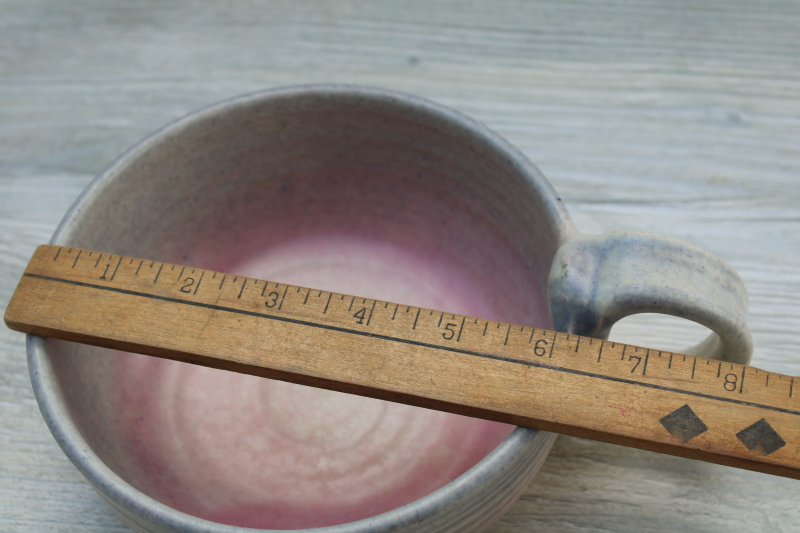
{"x": 330, "y": 193}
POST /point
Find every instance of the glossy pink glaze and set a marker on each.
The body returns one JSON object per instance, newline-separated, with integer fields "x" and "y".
{"x": 260, "y": 453}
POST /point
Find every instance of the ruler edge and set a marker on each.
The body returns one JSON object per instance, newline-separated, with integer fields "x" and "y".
{"x": 717, "y": 457}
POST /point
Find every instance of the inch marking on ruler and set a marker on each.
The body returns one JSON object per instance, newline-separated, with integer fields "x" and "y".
{"x": 417, "y": 343}
{"x": 566, "y": 383}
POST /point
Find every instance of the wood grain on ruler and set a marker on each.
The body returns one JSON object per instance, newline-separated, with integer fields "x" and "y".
{"x": 678, "y": 404}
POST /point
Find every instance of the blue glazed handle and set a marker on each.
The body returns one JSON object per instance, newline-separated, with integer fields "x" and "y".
{"x": 597, "y": 280}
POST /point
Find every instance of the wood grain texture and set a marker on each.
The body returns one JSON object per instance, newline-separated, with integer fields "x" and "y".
{"x": 715, "y": 411}
{"x": 680, "y": 118}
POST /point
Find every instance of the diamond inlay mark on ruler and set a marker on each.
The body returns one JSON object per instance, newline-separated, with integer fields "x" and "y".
{"x": 684, "y": 424}
{"x": 760, "y": 437}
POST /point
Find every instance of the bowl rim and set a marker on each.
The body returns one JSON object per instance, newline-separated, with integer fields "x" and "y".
{"x": 122, "y": 495}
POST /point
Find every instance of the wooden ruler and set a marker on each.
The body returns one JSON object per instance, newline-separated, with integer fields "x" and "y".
{"x": 667, "y": 402}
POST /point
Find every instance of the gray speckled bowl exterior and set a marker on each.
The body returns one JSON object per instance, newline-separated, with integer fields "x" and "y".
{"x": 157, "y": 199}
{"x": 221, "y": 169}
{"x": 139, "y": 183}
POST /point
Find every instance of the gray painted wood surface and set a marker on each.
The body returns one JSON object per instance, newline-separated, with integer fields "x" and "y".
{"x": 681, "y": 118}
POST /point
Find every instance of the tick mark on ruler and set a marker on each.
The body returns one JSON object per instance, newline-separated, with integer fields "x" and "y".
{"x": 98, "y": 260}
{"x": 224, "y": 276}
{"x": 600, "y": 353}
{"x": 116, "y": 268}
{"x": 505, "y": 342}
{"x": 330, "y": 295}
{"x": 158, "y": 273}
{"x": 199, "y": 282}
{"x": 242, "y": 289}
{"x": 76, "y": 258}
{"x": 370, "y": 311}
{"x": 137, "y": 268}
{"x": 458, "y": 339}
{"x": 415, "y": 319}
{"x": 57, "y": 252}
{"x": 305, "y": 300}
{"x": 283, "y": 297}
{"x": 395, "y": 310}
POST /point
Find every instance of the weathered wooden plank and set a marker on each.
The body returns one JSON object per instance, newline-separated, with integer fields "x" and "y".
{"x": 658, "y": 116}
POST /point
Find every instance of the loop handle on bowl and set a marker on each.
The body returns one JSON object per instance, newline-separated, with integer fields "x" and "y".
{"x": 597, "y": 280}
